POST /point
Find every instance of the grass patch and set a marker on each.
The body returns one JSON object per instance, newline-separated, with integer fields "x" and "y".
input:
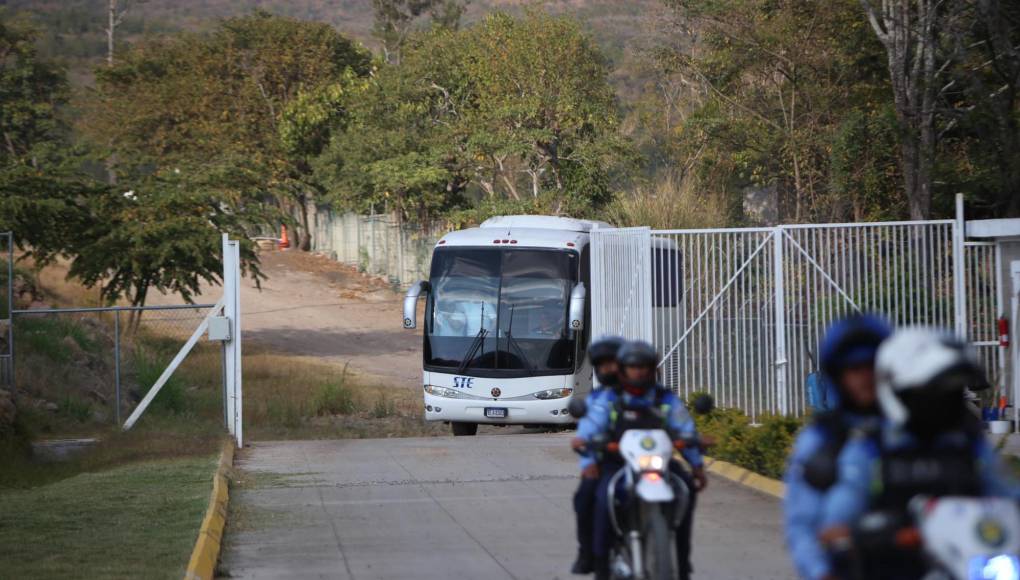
{"x": 148, "y": 368}
{"x": 48, "y": 336}
{"x": 135, "y": 521}
{"x": 75, "y": 409}
{"x": 159, "y": 437}
{"x": 383, "y": 408}
{"x": 335, "y": 398}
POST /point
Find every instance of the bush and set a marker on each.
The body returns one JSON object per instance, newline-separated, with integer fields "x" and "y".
{"x": 383, "y": 408}
{"x": 670, "y": 202}
{"x": 335, "y": 398}
{"x": 171, "y": 398}
{"x": 762, "y": 448}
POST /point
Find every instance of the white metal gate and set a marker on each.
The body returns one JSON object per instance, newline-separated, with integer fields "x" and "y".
{"x": 625, "y": 304}
{"x": 739, "y": 312}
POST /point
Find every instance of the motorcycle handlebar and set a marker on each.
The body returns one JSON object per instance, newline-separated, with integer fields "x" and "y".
{"x": 613, "y": 447}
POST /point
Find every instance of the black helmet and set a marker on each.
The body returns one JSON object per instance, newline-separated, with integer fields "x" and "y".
{"x": 637, "y": 353}
{"x": 604, "y": 349}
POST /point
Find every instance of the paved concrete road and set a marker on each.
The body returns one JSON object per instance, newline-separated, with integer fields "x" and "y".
{"x": 464, "y": 508}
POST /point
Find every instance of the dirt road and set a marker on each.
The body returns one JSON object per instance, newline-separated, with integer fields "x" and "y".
{"x": 313, "y": 306}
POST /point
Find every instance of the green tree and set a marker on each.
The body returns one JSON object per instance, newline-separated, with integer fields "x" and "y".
{"x": 37, "y": 186}
{"x": 395, "y": 20}
{"x": 213, "y": 104}
{"x": 775, "y": 82}
{"x": 509, "y": 109}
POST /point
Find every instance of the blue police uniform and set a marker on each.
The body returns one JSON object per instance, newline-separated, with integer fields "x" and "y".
{"x": 811, "y": 469}
{"x": 584, "y": 497}
{"x": 856, "y": 487}
{"x": 804, "y": 499}
{"x": 600, "y": 421}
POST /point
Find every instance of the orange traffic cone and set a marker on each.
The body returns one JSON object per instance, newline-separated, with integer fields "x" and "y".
{"x": 284, "y": 242}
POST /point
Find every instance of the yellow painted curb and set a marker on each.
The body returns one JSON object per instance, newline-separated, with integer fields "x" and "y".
{"x": 737, "y": 474}
{"x": 202, "y": 565}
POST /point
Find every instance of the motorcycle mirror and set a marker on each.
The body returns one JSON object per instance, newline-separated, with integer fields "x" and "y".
{"x": 577, "y": 407}
{"x": 703, "y": 404}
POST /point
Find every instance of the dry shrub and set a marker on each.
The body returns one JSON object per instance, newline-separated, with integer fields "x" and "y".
{"x": 672, "y": 202}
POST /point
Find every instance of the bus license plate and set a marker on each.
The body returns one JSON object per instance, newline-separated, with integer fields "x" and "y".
{"x": 496, "y": 412}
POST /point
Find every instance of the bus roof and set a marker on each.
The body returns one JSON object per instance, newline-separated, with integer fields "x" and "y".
{"x": 542, "y": 222}
{"x": 530, "y": 231}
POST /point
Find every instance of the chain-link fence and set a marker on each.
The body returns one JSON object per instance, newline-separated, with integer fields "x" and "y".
{"x": 96, "y": 364}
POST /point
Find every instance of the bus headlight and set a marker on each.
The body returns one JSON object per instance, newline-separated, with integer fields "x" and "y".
{"x": 445, "y": 392}
{"x": 553, "y": 394}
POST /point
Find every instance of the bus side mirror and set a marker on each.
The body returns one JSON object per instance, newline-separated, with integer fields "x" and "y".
{"x": 577, "y": 299}
{"x": 411, "y": 302}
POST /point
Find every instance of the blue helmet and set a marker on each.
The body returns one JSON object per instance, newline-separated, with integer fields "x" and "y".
{"x": 851, "y": 342}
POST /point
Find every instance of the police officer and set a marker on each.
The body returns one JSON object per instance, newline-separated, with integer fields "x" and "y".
{"x": 847, "y": 357}
{"x": 928, "y": 444}
{"x": 602, "y": 354}
{"x": 640, "y": 396}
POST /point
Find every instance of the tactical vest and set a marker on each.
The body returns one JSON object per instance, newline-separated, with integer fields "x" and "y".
{"x": 653, "y": 416}
{"x": 821, "y": 469}
{"x": 901, "y": 475}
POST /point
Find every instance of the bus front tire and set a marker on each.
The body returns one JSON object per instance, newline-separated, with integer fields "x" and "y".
{"x": 463, "y": 429}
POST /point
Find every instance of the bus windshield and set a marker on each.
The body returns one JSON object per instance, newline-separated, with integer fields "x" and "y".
{"x": 501, "y": 311}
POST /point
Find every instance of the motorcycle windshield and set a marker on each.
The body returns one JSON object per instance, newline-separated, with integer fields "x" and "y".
{"x": 500, "y": 312}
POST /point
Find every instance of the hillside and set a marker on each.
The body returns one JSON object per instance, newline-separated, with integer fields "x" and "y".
{"x": 74, "y": 29}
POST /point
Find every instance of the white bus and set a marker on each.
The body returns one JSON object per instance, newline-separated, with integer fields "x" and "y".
{"x": 505, "y": 325}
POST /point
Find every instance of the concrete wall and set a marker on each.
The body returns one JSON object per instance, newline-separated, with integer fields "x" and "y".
{"x": 377, "y": 244}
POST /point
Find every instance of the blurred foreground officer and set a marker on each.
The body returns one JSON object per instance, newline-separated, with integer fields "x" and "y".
{"x": 927, "y": 445}
{"x": 847, "y": 357}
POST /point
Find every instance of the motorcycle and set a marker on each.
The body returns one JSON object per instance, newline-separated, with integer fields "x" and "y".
{"x": 648, "y": 503}
{"x": 951, "y": 537}
{"x": 647, "y": 500}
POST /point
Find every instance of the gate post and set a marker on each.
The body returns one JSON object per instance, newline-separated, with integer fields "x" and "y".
{"x": 780, "y": 316}
{"x": 959, "y": 271}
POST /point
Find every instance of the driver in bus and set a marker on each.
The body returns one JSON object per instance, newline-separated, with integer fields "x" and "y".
{"x": 640, "y": 392}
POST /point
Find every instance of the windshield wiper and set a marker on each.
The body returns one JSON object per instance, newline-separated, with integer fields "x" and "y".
{"x": 512, "y": 342}
{"x": 476, "y": 344}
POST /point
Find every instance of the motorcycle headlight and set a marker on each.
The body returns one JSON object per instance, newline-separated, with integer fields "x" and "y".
{"x": 1001, "y": 567}
{"x": 650, "y": 462}
{"x": 445, "y": 392}
{"x": 553, "y": 394}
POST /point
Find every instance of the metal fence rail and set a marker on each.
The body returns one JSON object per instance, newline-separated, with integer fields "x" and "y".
{"x": 739, "y": 313}
{"x": 714, "y": 314}
{"x": 903, "y": 271}
{"x": 984, "y": 306}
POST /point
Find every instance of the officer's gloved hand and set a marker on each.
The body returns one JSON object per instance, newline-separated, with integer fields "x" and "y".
{"x": 700, "y": 479}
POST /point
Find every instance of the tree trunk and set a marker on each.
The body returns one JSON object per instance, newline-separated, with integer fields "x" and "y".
{"x": 111, "y": 26}
{"x": 908, "y": 31}
{"x": 305, "y": 235}
{"x": 909, "y": 160}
